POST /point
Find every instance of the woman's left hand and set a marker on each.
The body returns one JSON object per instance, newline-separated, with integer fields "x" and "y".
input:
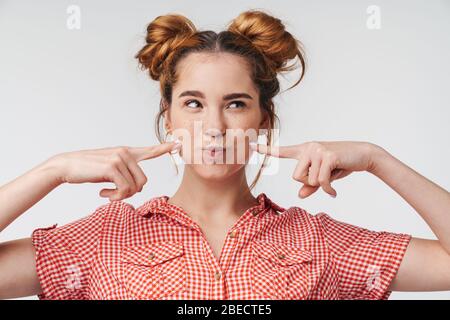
{"x": 320, "y": 162}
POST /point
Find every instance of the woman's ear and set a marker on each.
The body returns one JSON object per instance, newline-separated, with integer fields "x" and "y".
{"x": 167, "y": 121}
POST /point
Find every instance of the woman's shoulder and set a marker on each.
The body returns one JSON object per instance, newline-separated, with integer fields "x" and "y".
{"x": 124, "y": 207}
{"x": 321, "y": 220}
{"x": 304, "y": 215}
{"x": 295, "y": 211}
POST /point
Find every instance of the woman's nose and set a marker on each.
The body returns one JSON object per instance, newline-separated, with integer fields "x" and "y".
{"x": 214, "y": 124}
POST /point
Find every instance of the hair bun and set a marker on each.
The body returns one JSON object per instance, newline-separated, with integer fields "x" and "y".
{"x": 269, "y": 36}
{"x": 165, "y": 34}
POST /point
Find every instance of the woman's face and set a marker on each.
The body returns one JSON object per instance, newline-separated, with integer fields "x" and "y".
{"x": 214, "y": 103}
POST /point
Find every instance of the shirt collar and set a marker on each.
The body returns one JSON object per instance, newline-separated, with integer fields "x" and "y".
{"x": 160, "y": 205}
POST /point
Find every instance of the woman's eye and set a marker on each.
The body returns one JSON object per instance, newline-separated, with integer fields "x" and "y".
{"x": 192, "y": 102}
{"x": 239, "y": 104}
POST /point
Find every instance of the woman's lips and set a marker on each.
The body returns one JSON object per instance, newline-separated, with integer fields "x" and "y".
{"x": 215, "y": 148}
{"x": 214, "y": 153}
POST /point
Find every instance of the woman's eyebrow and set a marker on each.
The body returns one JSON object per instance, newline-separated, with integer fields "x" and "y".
{"x": 229, "y": 96}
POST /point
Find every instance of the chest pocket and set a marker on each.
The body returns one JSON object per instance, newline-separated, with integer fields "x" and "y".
{"x": 280, "y": 271}
{"x": 153, "y": 271}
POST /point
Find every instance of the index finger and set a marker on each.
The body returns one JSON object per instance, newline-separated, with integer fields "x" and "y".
{"x": 277, "y": 151}
{"x": 145, "y": 153}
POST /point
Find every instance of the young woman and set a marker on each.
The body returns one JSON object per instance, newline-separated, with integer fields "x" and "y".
{"x": 213, "y": 239}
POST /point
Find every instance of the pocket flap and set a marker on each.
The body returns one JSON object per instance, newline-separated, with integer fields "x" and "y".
{"x": 281, "y": 253}
{"x": 151, "y": 254}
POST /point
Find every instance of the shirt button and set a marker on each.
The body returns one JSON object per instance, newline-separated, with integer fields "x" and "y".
{"x": 281, "y": 256}
{"x": 151, "y": 256}
{"x": 217, "y": 276}
{"x": 255, "y": 212}
{"x": 233, "y": 234}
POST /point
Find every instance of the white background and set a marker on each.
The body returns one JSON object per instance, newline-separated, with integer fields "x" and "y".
{"x": 63, "y": 90}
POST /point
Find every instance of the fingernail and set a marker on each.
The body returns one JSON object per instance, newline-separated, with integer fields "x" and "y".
{"x": 332, "y": 195}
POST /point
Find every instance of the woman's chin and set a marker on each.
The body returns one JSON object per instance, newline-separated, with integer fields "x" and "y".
{"x": 216, "y": 171}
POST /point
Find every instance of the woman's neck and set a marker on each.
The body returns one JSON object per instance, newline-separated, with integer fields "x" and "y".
{"x": 207, "y": 200}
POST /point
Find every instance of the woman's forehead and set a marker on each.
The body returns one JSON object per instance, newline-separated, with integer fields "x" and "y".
{"x": 214, "y": 73}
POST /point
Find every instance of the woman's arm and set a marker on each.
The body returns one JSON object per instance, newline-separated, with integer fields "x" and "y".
{"x": 426, "y": 264}
{"x": 18, "y": 275}
{"x": 119, "y": 165}
{"x": 22, "y": 193}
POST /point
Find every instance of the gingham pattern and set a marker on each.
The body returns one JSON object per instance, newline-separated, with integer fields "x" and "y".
{"x": 158, "y": 252}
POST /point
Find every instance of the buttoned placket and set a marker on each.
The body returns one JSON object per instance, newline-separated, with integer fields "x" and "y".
{"x": 229, "y": 248}
{"x": 218, "y": 267}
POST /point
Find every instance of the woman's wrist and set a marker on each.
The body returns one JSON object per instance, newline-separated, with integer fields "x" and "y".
{"x": 377, "y": 157}
{"x": 53, "y": 170}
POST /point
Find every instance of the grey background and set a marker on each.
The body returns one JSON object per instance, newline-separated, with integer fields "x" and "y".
{"x": 63, "y": 90}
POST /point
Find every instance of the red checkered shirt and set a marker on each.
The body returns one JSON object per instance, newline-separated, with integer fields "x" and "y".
{"x": 158, "y": 252}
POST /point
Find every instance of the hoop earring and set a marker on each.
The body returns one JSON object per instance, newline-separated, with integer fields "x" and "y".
{"x": 167, "y": 134}
{"x": 266, "y": 134}
{"x": 267, "y": 138}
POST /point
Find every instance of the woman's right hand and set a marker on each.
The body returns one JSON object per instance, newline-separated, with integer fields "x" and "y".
{"x": 118, "y": 165}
